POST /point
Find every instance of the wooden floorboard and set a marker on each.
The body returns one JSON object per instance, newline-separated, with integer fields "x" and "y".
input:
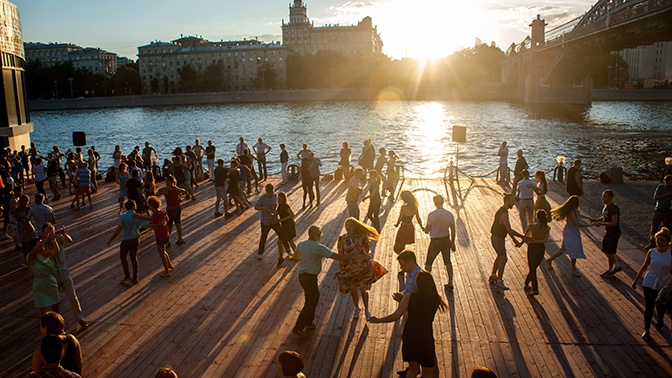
{"x": 224, "y": 313}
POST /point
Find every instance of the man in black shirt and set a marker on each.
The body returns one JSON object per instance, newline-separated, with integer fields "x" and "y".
{"x": 284, "y": 162}
{"x": 612, "y": 232}
{"x": 221, "y": 186}
{"x": 574, "y": 180}
{"x": 210, "y": 159}
{"x": 134, "y": 190}
{"x": 521, "y": 165}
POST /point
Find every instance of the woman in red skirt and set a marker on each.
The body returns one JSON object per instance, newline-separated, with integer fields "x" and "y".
{"x": 406, "y": 233}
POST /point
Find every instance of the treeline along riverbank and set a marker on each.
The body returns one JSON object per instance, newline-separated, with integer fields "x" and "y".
{"x": 493, "y": 92}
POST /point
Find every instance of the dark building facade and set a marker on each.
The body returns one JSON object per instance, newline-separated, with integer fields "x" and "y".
{"x": 15, "y": 124}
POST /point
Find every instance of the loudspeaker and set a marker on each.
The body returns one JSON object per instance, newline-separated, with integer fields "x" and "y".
{"x": 459, "y": 134}
{"x": 78, "y": 138}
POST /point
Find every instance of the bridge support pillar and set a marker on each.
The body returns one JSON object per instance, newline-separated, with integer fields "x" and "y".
{"x": 569, "y": 92}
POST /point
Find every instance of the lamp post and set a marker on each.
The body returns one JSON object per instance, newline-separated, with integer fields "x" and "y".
{"x": 70, "y": 80}
{"x": 55, "y": 88}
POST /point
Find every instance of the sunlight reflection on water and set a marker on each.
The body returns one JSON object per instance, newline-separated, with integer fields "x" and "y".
{"x": 633, "y": 135}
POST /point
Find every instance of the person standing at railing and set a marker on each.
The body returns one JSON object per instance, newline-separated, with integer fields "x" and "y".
{"x": 503, "y": 154}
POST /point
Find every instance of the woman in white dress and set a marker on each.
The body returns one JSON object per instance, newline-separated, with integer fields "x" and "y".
{"x": 571, "y": 234}
{"x": 658, "y": 268}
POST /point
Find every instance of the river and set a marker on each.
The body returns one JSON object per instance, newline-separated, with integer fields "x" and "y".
{"x": 633, "y": 135}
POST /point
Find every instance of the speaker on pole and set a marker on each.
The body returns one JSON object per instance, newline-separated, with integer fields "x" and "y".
{"x": 78, "y": 138}
{"x": 459, "y": 134}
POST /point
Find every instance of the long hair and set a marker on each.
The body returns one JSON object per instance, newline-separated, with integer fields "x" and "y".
{"x": 561, "y": 212}
{"x": 409, "y": 199}
{"x": 427, "y": 290}
{"x": 542, "y": 179}
{"x": 363, "y": 229}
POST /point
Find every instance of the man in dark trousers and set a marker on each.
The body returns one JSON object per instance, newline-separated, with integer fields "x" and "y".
{"x": 663, "y": 198}
{"x": 574, "y": 180}
{"x": 612, "y": 232}
{"x": 312, "y": 254}
{"x": 500, "y": 228}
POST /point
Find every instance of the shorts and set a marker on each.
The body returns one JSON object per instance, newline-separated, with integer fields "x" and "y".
{"x": 83, "y": 190}
{"x": 499, "y": 244}
{"x": 174, "y": 215}
{"x": 610, "y": 242}
{"x": 436, "y": 246}
{"x": 159, "y": 241}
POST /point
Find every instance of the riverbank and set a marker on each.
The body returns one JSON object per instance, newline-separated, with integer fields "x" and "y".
{"x": 485, "y": 92}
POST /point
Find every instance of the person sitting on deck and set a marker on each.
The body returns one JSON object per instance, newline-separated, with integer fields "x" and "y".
{"x": 52, "y": 352}
{"x": 290, "y": 364}
{"x": 166, "y": 372}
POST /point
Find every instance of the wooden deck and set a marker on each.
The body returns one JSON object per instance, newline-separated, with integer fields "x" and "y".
{"x": 224, "y": 313}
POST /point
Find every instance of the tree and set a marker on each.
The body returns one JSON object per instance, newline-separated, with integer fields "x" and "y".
{"x": 188, "y": 79}
{"x": 213, "y": 77}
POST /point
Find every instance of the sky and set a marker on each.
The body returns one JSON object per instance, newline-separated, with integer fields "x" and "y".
{"x": 419, "y": 29}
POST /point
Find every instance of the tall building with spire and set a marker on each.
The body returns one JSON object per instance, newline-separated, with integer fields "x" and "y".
{"x": 301, "y": 36}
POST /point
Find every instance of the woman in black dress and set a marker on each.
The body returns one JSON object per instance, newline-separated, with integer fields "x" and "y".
{"x": 418, "y": 337}
{"x": 288, "y": 233}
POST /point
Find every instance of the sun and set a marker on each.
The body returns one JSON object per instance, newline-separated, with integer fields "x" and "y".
{"x": 427, "y": 29}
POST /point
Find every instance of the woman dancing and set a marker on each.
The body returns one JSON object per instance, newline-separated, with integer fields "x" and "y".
{"x": 418, "y": 347}
{"x": 536, "y": 236}
{"x": 45, "y": 285}
{"x": 406, "y": 233}
{"x": 286, "y": 217}
{"x": 542, "y": 188}
{"x": 571, "y": 234}
{"x": 658, "y": 268}
{"x": 356, "y": 276}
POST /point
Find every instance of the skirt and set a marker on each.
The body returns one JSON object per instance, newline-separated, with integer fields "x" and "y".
{"x": 406, "y": 234}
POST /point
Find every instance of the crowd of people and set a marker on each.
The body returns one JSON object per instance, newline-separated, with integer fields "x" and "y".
{"x": 140, "y": 207}
{"x": 656, "y": 269}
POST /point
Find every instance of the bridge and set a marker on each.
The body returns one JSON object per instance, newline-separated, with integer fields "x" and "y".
{"x": 553, "y": 67}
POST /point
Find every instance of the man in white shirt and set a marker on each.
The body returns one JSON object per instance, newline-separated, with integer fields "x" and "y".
{"x": 503, "y": 154}
{"x": 261, "y": 149}
{"x": 441, "y": 229}
{"x": 241, "y": 147}
{"x": 525, "y": 192}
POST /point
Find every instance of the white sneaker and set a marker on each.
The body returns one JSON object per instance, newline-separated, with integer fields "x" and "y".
{"x": 356, "y": 314}
{"x": 260, "y": 256}
{"x": 500, "y": 285}
{"x": 492, "y": 279}
{"x": 368, "y": 315}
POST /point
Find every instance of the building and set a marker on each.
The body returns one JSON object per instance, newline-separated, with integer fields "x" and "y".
{"x": 242, "y": 63}
{"x": 95, "y": 60}
{"x": 301, "y": 37}
{"x": 649, "y": 66}
{"x": 15, "y": 124}
{"x": 122, "y": 61}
